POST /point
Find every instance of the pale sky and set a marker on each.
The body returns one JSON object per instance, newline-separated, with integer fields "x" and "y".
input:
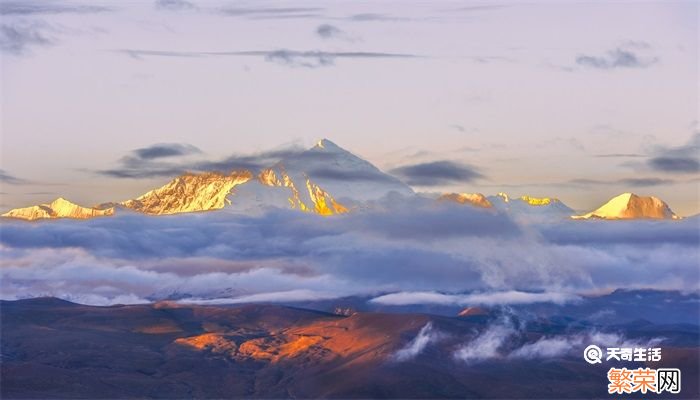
{"x": 580, "y": 100}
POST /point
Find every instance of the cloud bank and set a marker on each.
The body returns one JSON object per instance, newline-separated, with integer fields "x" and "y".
{"x": 413, "y": 253}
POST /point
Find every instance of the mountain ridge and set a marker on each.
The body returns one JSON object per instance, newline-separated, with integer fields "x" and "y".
{"x": 58, "y": 208}
{"x": 324, "y": 179}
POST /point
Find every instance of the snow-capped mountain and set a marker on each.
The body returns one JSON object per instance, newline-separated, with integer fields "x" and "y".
{"x": 531, "y": 207}
{"x": 631, "y": 206}
{"x": 324, "y": 179}
{"x": 343, "y": 174}
{"x": 474, "y": 199}
{"x": 189, "y": 192}
{"x": 59, "y": 208}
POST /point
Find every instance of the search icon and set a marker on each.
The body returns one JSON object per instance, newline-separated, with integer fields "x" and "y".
{"x": 593, "y": 354}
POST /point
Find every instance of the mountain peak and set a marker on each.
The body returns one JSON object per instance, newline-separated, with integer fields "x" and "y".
{"x": 503, "y": 196}
{"x": 475, "y": 199}
{"x": 631, "y": 206}
{"x": 327, "y": 145}
{"x": 538, "y": 201}
{"x": 59, "y": 208}
{"x": 61, "y": 201}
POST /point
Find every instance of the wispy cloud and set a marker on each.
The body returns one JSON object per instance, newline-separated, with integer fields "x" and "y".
{"x": 675, "y": 164}
{"x": 290, "y": 58}
{"x": 644, "y": 182}
{"x": 6, "y": 177}
{"x": 174, "y": 5}
{"x": 437, "y": 173}
{"x": 548, "y": 347}
{"x": 486, "y": 345}
{"x": 19, "y": 37}
{"x": 327, "y": 31}
{"x": 634, "y": 182}
{"x": 307, "y": 59}
{"x": 287, "y": 296}
{"x": 501, "y": 340}
{"x": 620, "y": 155}
{"x": 271, "y": 13}
{"x": 162, "y": 150}
{"x": 367, "y": 17}
{"x": 31, "y": 7}
{"x": 147, "y": 162}
{"x": 490, "y": 299}
{"x": 425, "y": 336}
{"x": 167, "y": 160}
{"x": 626, "y": 56}
{"x": 458, "y": 128}
{"x": 481, "y": 7}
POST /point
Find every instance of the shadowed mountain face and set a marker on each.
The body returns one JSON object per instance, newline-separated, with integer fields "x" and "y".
{"x": 56, "y": 349}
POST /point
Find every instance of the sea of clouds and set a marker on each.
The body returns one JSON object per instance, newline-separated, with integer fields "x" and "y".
{"x": 405, "y": 254}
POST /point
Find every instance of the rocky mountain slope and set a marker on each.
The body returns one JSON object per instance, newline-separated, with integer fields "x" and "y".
{"x": 56, "y": 349}
{"x": 190, "y": 192}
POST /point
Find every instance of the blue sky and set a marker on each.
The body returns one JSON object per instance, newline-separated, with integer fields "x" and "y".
{"x": 579, "y": 100}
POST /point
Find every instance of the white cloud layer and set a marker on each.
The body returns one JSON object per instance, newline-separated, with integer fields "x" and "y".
{"x": 409, "y": 254}
{"x": 489, "y": 299}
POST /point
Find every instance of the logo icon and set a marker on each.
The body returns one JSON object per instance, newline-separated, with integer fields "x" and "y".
{"x": 593, "y": 354}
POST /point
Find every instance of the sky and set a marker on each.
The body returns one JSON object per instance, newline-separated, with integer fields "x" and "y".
{"x": 580, "y": 100}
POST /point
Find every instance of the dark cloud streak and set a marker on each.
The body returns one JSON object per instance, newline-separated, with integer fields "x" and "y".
{"x": 162, "y": 150}
{"x": 675, "y": 164}
{"x": 327, "y": 31}
{"x": 272, "y": 13}
{"x": 437, "y": 173}
{"x": 614, "y": 59}
{"x": 7, "y": 178}
{"x": 291, "y": 58}
{"x": 147, "y": 162}
{"x": 678, "y": 160}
